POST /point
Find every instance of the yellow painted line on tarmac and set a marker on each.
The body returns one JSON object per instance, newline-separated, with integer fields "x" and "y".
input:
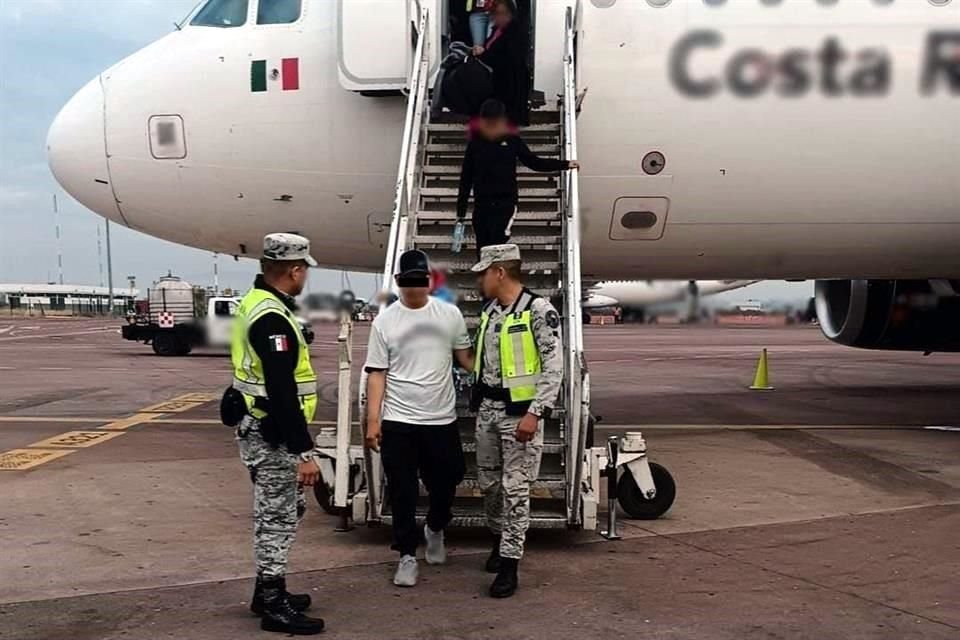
{"x": 60, "y": 445}
{"x": 78, "y": 439}
{"x": 319, "y": 423}
{"x": 23, "y": 459}
{"x": 67, "y": 419}
{"x": 197, "y": 397}
{"x": 181, "y": 403}
{"x": 171, "y": 406}
{"x": 132, "y": 421}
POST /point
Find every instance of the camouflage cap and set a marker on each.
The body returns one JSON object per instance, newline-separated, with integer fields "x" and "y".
{"x": 496, "y": 253}
{"x": 287, "y": 246}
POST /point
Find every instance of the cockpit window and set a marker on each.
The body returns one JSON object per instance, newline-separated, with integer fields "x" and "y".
{"x": 222, "y": 13}
{"x": 278, "y": 11}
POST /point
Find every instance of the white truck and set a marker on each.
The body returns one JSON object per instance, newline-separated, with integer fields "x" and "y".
{"x": 176, "y": 317}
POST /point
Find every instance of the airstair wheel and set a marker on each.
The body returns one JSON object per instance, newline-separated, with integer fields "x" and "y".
{"x": 638, "y": 506}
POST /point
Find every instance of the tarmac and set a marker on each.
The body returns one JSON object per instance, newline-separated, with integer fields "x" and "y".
{"x": 827, "y": 508}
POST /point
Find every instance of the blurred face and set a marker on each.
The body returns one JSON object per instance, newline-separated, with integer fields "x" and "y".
{"x": 493, "y": 128}
{"x": 501, "y": 15}
{"x": 414, "y": 287}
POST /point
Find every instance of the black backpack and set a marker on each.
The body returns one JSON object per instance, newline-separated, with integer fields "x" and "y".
{"x": 466, "y": 85}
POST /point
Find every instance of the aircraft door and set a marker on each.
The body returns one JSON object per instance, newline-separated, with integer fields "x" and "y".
{"x": 376, "y": 40}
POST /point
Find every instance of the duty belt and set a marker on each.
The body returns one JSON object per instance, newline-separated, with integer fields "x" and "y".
{"x": 260, "y": 390}
{"x": 487, "y": 392}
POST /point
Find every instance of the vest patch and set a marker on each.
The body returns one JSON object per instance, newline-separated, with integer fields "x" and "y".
{"x": 279, "y": 343}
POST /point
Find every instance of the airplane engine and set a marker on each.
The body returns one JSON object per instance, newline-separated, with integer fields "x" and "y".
{"x": 895, "y": 315}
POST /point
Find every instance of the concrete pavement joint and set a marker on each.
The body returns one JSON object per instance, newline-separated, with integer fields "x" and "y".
{"x": 673, "y": 538}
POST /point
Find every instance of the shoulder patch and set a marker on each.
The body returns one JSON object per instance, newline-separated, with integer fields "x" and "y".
{"x": 279, "y": 343}
{"x": 553, "y": 319}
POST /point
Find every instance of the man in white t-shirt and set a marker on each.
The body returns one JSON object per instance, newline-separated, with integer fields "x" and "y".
{"x": 411, "y": 409}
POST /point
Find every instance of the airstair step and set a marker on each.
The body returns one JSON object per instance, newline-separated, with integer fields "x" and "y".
{"x": 453, "y": 169}
{"x": 524, "y": 205}
{"x": 463, "y": 264}
{"x": 542, "y": 265}
{"x": 524, "y": 182}
{"x": 463, "y": 282}
{"x": 452, "y": 192}
{"x": 461, "y": 139}
{"x": 522, "y": 217}
{"x": 539, "y": 149}
{"x": 551, "y": 487}
{"x": 533, "y": 242}
{"x": 456, "y": 160}
{"x": 460, "y": 126}
{"x": 537, "y": 116}
{"x": 475, "y": 296}
{"x": 542, "y": 519}
{"x": 548, "y": 447}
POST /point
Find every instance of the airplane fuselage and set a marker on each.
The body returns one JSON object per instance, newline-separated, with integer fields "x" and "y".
{"x": 798, "y": 141}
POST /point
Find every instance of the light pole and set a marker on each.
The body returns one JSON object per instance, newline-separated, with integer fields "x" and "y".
{"x": 109, "y": 272}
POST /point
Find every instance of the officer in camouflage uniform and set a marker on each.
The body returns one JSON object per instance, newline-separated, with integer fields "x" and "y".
{"x": 519, "y": 370}
{"x": 272, "y": 371}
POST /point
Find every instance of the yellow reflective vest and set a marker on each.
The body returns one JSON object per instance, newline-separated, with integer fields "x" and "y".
{"x": 519, "y": 356}
{"x": 248, "y": 375}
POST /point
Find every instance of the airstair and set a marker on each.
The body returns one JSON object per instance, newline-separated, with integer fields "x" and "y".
{"x": 546, "y": 228}
{"x": 538, "y": 229}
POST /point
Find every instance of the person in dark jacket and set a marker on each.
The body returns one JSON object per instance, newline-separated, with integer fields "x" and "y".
{"x": 273, "y": 374}
{"x": 490, "y": 172}
{"x": 505, "y": 52}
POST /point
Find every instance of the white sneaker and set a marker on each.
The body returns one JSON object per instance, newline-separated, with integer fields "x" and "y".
{"x": 407, "y": 572}
{"x": 436, "y": 552}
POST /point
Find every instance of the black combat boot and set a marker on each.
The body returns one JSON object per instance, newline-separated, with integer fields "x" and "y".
{"x": 493, "y": 561}
{"x": 299, "y": 601}
{"x": 505, "y": 584}
{"x": 279, "y": 614}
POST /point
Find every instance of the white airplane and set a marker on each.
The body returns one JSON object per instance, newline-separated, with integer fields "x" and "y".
{"x": 761, "y": 139}
{"x": 640, "y": 294}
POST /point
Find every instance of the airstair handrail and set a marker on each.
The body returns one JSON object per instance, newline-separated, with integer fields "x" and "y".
{"x": 577, "y": 413}
{"x": 409, "y": 151}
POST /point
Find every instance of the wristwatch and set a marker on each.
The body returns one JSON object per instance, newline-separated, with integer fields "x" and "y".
{"x": 543, "y": 413}
{"x": 307, "y": 456}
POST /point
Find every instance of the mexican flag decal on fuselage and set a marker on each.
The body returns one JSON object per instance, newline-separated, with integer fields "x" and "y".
{"x": 288, "y": 74}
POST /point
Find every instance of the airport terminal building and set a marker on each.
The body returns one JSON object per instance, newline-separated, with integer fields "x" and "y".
{"x": 63, "y": 299}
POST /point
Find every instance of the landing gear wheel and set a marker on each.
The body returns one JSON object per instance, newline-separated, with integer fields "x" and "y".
{"x": 636, "y": 505}
{"x": 324, "y": 494}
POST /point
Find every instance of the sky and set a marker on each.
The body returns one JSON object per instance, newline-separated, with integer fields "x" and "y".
{"x": 51, "y": 48}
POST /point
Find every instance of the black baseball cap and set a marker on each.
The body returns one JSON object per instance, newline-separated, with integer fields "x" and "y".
{"x": 414, "y": 263}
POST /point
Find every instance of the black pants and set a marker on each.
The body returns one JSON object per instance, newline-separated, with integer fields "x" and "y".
{"x": 432, "y": 451}
{"x": 490, "y": 220}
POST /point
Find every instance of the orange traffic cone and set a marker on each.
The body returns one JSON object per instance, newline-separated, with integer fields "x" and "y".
{"x": 761, "y": 381}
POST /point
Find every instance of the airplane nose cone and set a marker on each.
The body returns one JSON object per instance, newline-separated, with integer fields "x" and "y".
{"x": 76, "y": 151}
